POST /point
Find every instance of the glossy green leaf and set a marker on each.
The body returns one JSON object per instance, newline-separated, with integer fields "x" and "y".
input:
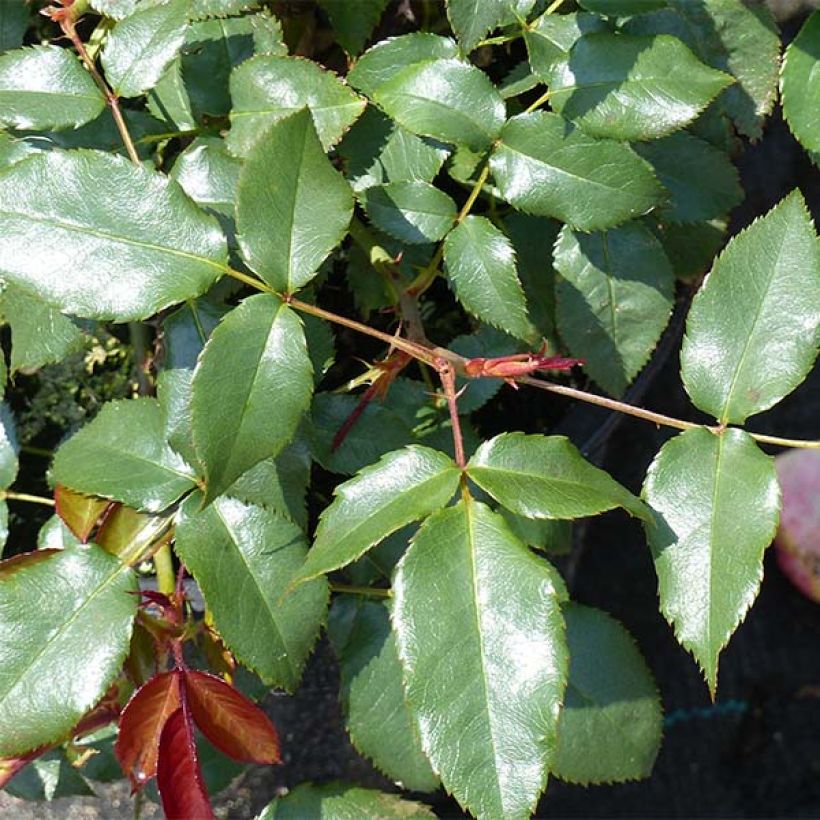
{"x": 480, "y": 263}
{"x": 446, "y": 99}
{"x": 66, "y": 619}
{"x": 201, "y": 9}
{"x": 691, "y": 248}
{"x": 13, "y": 150}
{"x": 255, "y": 363}
{"x": 618, "y": 8}
{"x": 481, "y": 640}
{"x": 611, "y": 721}
{"x": 614, "y": 298}
{"x": 288, "y": 181}
{"x": 140, "y": 47}
{"x": 546, "y": 477}
{"x": 702, "y": 181}
{"x": 800, "y": 84}
{"x": 268, "y": 89}
{"x": 122, "y": 455}
{"x": 753, "y": 329}
{"x": 414, "y": 212}
{"x": 168, "y": 100}
{"x": 716, "y": 500}
{"x": 144, "y": 245}
{"x": 55, "y": 535}
{"x": 353, "y": 23}
{"x": 8, "y": 447}
{"x": 186, "y": 330}
{"x": 546, "y": 167}
{"x": 338, "y": 801}
{"x": 115, "y": 9}
{"x": 243, "y": 558}
{"x": 550, "y": 535}
{"x": 404, "y": 486}
{"x": 633, "y": 88}
{"x": 377, "y": 718}
{"x": 46, "y": 87}
{"x": 14, "y": 18}
{"x": 550, "y": 38}
{"x": 472, "y": 20}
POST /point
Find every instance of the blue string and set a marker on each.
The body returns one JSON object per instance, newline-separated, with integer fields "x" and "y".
{"x": 716, "y": 710}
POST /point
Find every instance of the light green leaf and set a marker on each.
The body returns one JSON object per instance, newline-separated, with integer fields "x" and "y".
{"x": 115, "y": 9}
{"x": 13, "y": 23}
{"x": 618, "y": 8}
{"x": 201, "y": 9}
{"x": 66, "y": 622}
{"x": 13, "y": 150}
{"x": 701, "y": 179}
{"x": 255, "y": 364}
{"x": 753, "y": 328}
{"x": 446, "y": 99}
{"x": 614, "y": 298}
{"x": 243, "y": 558}
{"x": 287, "y": 181}
{"x": 266, "y": 90}
{"x": 716, "y": 500}
{"x": 800, "y": 84}
{"x": 481, "y": 639}
{"x": 354, "y": 22}
{"x": 8, "y": 447}
{"x": 611, "y": 723}
{"x": 414, "y": 212}
{"x": 480, "y": 263}
{"x": 633, "y": 88}
{"x": 337, "y": 801}
{"x": 550, "y": 38}
{"x": 122, "y": 455}
{"x": 472, "y": 20}
{"x": 143, "y": 244}
{"x": 140, "y": 47}
{"x": 377, "y": 718}
{"x": 546, "y": 167}
{"x": 404, "y": 486}
{"x": 55, "y": 535}
{"x": 45, "y": 87}
{"x": 546, "y": 477}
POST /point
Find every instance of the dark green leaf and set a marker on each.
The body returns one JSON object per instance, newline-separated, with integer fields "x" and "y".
{"x": 617, "y": 8}
{"x": 255, "y": 360}
{"x": 546, "y": 477}
{"x": 201, "y": 9}
{"x": 186, "y": 330}
{"x": 140, "y": 47}
{"x": 168, "y": 100}
{"x": 633, "y": 88}
{"x": 45, "y": 87}
{"x": 174, "y": 396}
{"x": 288, "y": 181}
{"x": 610, "y": 725}
{"x": 614, "y": 297}
{"x": 800, "y": 84}
{"x": 66, "y": 622}
{"x": 13, "y": 23}
{"x": 716, "y": 500}
{"x": 753, "y": 329}
{"x": 481, "y": 265}
{"x": 472, "y": 20}
{"x": 243, "y": 558}
{"x": 143, "y": 244}
{"x": 49, "y": 776}
{"x": 13, "y": 150}
{"x": 268, "y": 89}
{"x": 550, "y": 535}
{"x": 122, "y": 455}
{"x": 691, "y": 248}
{"x": 546, "y": 167}
{"x": 550, "y": 38}
{"x": 378, "y": 720}
{"x": 354, "y": 22}
{"x": 481, "y": 640}
{"x": 8, "y": 447}
{"x": 414, "y": 212}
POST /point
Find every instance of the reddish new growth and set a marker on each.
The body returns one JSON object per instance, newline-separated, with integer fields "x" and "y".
{"x": 519, "y": 364}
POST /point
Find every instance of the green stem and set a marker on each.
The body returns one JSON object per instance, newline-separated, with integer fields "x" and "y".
{"x": 554, "y": 6}
{"x": 36, "y": 451}
{"x": 10, "y": 495}
{"x": 164, "y": 566}
{"x": 500, "y": 40}
{"x": 373, "y": 592}
{"x": 539, "y": 102}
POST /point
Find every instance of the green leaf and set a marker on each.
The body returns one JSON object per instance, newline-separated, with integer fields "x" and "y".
{"x": 40, "y": 334}
{"x": 414, "y": 212}
{"x": 13, "y": 150}
{"x": 122, "y": 455}
{"x": 8, "y": 447}
{"x": 753, "y": 328}
{"x": 13, "y": 23}
{"x": 45, "y": 87}
{"x": 66, "y": 622}
{"x": 266, "y": 90}
{"x": 691, "y": 248}
{"x": 379, "y": 64}
{"x": 402, "y": 487}
{"x": 243, "y": 558}
{"x": 186, "y": 330}
{"x": 337, "y": 801}
{"x": 546, "y": 167}
{"x": 633, "y": 88}
{"x": 701, "y": 179}
{"x": 140, "y": 47}
{"x": 115, "y": 9}
{"x": 546, "y": 477}
{"x": 550, "y": 38}
{"x": 481, "y": 640}
{"x": 143, "y": 244}
{"x": 354, "y": 22}
{"x": 168, "y": 100}
{"x": 201, "y": 9}
{"x": 480, "y": 263}
{"x": 550, "y": 535}
{"x": 55, "y": 535}
{"x": 446, "y": 99}
{"x": 254, "y": 361}
{"x": 377, "y": 718}
{"x": 49, "y": 777}
{"x": 472, "y": 20}
{"x": 303, "y": 195}
{"x": 716, "y": 500}
{"x": 614, "y": 298}
{"x": 800, "y": 84}
{"x": 611, "y": 723}
{"x": 618, "y": 8}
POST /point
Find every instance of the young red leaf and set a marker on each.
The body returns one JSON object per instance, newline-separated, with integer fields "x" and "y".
{"x": 179, "y": 777}
{"x": 234, "y": 724}
{"x": 79, "y": 512}
{"x": 142, "y": 724}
